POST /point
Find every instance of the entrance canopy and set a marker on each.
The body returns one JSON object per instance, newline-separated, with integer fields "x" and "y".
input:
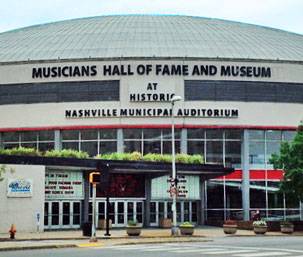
{"x": 153, "y": 169}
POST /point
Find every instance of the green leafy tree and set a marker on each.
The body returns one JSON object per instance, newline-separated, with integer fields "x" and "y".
{"x": 290, "y": 159}
{"x": 3, "y": 169}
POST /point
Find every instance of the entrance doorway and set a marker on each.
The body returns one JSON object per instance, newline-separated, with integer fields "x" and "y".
{"x": 120, "y": 211}
{"x": 62, "y": 214}
{"x": 186, "y": 211}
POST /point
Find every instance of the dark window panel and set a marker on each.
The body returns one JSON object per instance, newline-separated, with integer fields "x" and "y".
{"x": 46, "y": 135}
{"x": 214, "y": 151}
{"x": 29, "y": 145}
{"x": 53, "y": 92}
{"x": 108, "y": 134}
{"x": 154, "y": 134}
{"x": 70, "y": 135}
{"x": 233, "y": 152}
{"x": 132, "y": 133}
{"x": 89, "y": 134}
{"x": 250, "y": 91}
{"x": 132, "y": 146}
{"x": 233, "y": 134}
{"x": 167, "y": 147}
{"x": 214, "y": 134}
{"x": 108, "y": 147}
{"x": 29, "y": 136}
{"x": 10, "y": 137}
{"x": 167, "y": 134}
{"x": 152, "y": 147}
{"x": 70, "y": 145}
{"x": 195, "y": 147}
{"x": 90, "y": 147}
{"x": 43, "y": 147}
{"x": 195, "y": 133}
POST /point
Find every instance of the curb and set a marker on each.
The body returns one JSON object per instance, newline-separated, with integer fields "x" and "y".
{"x": 113, "y": 243}
{"x": 164, "y": 242}
{"x": 37, "y": 247}
{"x": 87, "y": 238}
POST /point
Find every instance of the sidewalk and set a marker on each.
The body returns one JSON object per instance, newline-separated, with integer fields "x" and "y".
{"x": 74, "y": 238}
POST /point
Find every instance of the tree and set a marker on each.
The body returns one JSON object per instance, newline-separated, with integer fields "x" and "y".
{"x": 3, "y": 169}
{"x": 290, "y": 159}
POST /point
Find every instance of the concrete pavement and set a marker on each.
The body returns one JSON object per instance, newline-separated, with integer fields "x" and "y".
{"x": 74, "y": 238}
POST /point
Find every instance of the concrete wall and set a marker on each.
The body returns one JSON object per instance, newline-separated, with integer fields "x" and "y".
{"x": 52, "y": 115}
{"x": 22, "y": 211}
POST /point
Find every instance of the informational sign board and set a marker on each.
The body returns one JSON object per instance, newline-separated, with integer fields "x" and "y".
{"x": 63, "y": 185}
{"x": 187, "y": 187}
{"x": 20, "y": 188}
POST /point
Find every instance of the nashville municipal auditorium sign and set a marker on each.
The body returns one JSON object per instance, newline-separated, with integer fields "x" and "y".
{"x": 152, "y": 91}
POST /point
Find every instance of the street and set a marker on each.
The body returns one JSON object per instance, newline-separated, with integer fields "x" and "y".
{"x": 228, "y": 246}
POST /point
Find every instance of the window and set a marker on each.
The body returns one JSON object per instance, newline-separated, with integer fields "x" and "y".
{"x": 40, "y": 140}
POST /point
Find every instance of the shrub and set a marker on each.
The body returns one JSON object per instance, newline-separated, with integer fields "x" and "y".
{"x": 132, "y": 223}
{"x": 20, "y": 151}
{"x": 259, "y": 223}
{"x": 186, "y": 224}
{"x": 67, "y": 153}
{"x": 135, "y": 156}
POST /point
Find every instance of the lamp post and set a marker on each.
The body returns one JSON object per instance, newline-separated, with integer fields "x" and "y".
{"x": 174, "y": 229}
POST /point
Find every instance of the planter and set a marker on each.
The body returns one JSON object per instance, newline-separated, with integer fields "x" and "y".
{"x": 133, "y": 230}
{"x": 287, "y": 229}
{"x": 186, "y": 231}
{"x": 165, "y": 223}
{"x": 260, "y": 230}
{"x": 230, "y": 229}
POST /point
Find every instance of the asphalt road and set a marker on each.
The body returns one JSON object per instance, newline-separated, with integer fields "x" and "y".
{"x": 229, "y": 246}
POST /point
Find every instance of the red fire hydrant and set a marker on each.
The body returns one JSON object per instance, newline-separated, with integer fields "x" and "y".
{"x": 12, "y": 231}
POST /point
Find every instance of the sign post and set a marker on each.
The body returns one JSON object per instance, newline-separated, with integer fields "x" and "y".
{"x": 38, "y": 221}
{"x": 94, "y": 179}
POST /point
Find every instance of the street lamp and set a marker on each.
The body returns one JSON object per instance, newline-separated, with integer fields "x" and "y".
{"x": 174, "y": 229}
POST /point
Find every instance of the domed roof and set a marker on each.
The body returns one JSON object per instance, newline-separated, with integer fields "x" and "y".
{"x": 151, "y": 36}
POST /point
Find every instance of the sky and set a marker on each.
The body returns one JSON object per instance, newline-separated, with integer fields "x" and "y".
{"x": 281, "y": 14}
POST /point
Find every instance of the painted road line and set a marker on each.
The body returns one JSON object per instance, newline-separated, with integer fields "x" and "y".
{"x": 140, "y": 248}
{"x": 262, "y": 254}
{"x": 90, "y": 245}
{"x": 201, "y": 250}
{"x": 169, "y": 249}
{"x": 232, "y": 252}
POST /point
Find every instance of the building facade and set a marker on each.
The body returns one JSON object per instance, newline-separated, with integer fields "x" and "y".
{"x": 104, "y": 85}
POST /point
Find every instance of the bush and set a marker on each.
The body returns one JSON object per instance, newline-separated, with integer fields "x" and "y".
{"x": 20, "y": 151}
{"x": 67, "y": 153}
{"x": 132, "y": 223}
{"x": 186, "y": 224}
{"x": 259, "y": 223}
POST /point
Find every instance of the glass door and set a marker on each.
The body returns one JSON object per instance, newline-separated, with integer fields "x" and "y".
{"x": 46, "y": 215}
{"x": 154, "y": 217}
{"x": 55, "y": 215}
{"x": 66, "y": 213}
{"x": 139, "y": 212}
{"x": 76, "y": 214}
{"x": 121, "y": 222}
{"x": 130, "y": 211}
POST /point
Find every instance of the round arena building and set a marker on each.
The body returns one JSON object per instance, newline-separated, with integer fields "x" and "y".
{"x": 104, "y": 84}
